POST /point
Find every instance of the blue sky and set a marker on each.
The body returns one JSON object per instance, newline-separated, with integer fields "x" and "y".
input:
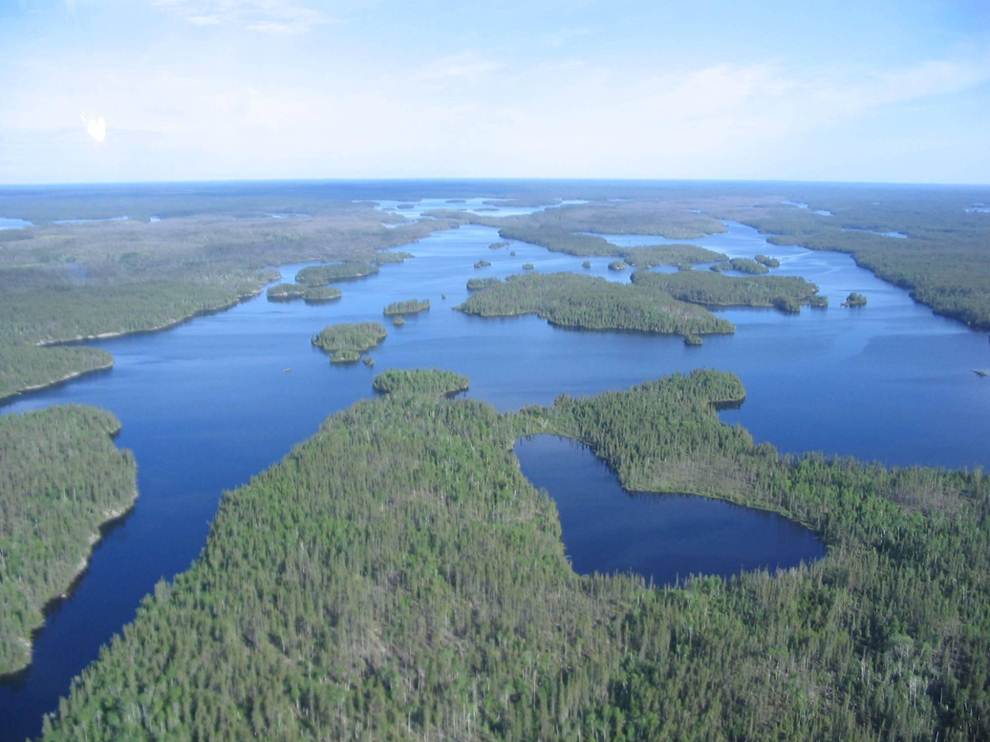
{"x": 218, "y": 89}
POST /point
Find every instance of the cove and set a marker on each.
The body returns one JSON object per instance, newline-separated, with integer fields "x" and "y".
{"x": 664, "y": 538}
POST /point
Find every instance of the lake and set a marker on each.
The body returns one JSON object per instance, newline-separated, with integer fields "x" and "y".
{"x": 661, "y": 537}
{"x": 208, "y": 403}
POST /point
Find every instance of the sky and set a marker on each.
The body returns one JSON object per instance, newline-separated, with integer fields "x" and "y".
{"x": 170, "y": 90}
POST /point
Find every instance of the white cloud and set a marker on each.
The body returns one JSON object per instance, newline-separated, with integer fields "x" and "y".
{"x": 466, "y": 66}
{"x": 263, "y": 16}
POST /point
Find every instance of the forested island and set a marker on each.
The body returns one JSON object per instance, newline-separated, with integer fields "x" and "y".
{"x": 431, "y": 382}
{"x": 787, "y": 293}
{"x": 285, "y": 292}
{"x": 321, "y": 275}
{"x": 321, "y": 294}
{"x": 406, "y": 514}
{"x": 585, "y": 302}
{"x": 411, "y": 306}
{"x": 855, "y": 300}
{"x": 345, "y": 342}
{"x": 61, "y": 478}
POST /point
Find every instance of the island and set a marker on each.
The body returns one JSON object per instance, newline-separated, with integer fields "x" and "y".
{"x": 746, "y": 265}
{"x": 345, "y": 342}
{"x": 590, "y": 303}
{"x": 285, "y": 292}
{"x": 855, "y": 300}
{"x": 528, "y": 267}
{"x": 585, "y": 264}
{"x": 767, "y": 261}
{"x": 410, "y": 306}
{"x": 321, "y": 294}
{"x": 61, "y": 480}
{"x": 617, "y": 265}
{"x": 482, "y": 264}
{"x": 432, "y": 382}
{"x": 498, "y": 245}
{"x": 321, "y": 275}
{"x": 787, "y": 293}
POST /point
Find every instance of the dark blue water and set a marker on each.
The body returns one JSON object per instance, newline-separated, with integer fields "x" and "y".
{"x": 207, "y": 404}
{"x": 663, "y": 538}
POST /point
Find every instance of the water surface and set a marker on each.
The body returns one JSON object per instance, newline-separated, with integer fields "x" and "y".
{"x": 663, "y": 538}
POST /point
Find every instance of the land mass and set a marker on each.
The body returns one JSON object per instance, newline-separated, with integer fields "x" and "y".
{"x": 397, "y": 577}
{"x": 61, "y": 478}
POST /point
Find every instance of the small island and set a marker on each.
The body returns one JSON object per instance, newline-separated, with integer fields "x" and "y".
{"x": 411, "y": 306}
{"x": 432, "y": 382}
{"x": 498, "y": 245}
{"x": 767, "y": 261}
{"x": 347, "y": 341}
{"x": 617, "y": 265}
{"x": 586, "y": 264}
{"x": 348, "y": 270}
{"x": 745, "y": 265}
{"x": 285, "y": 292}
{"x": 855, "y": 300}
{"x": 482, "y": 264}
{"x": 528, "y": 267}
{"x": 321, "y": 294}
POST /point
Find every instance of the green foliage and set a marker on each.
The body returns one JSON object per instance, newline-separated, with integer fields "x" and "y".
{"x": 652, "y": 256}
{"x": 745, "y": 265}
{"x": 585, "y": 302}
{"x": 321, "y": 275}
{"x": 717, "y": 290}
{"x": 61, "y": 477}
{"x": 431, "y": 382}
{"x": 767, "y": 261}
{"x": 855, "y": 299}
{"x": 397, "y": 577}
{"x": 482, "y": 264}
{"x": 321, "y": 294}
{"x": 412, "y": 306}
{"x": 285, "y": 292}
{"x": 477, "y": 284}
{"x": 345, "y": 342}
{"x": 617, "y": 265}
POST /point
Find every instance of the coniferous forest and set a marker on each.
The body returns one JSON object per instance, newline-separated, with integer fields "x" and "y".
{"x": 61, "y": 478}
{"x": 397, "y": 577}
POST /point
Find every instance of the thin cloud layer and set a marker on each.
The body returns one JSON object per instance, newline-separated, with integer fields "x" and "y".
{"x": 264, "y": 16}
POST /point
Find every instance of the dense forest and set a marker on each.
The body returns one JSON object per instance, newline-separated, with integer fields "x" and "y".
{"x": 61, "y": 477}
{"x": 410, "y": 306}
{"x": 322, "y": 275}
{"x": 345, "y": 342}
{"x": 397, "y": 577}
{"x": 432, "y": 382}
{"x": 717, "y": 290}
{"x": 571, "y": 300}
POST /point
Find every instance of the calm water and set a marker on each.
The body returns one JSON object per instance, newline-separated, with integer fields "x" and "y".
{"x": 207, "y": 404}
{"x": 663, "y": 538}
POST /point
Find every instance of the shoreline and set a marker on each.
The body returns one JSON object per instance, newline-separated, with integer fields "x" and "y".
{"x": 111, "y": 518}
{"x": 7, "y": 398}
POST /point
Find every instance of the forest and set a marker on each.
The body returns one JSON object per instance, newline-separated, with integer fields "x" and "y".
{"x": 585, "y": 302}
{"x": 717, "y": 290}
{"x": 61, "y": 478}
{"x": 410, "y": 306}
{"x": 406, "y": 581}
{"x": 431, "y": 382}
{"x": 345, "y": 342}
